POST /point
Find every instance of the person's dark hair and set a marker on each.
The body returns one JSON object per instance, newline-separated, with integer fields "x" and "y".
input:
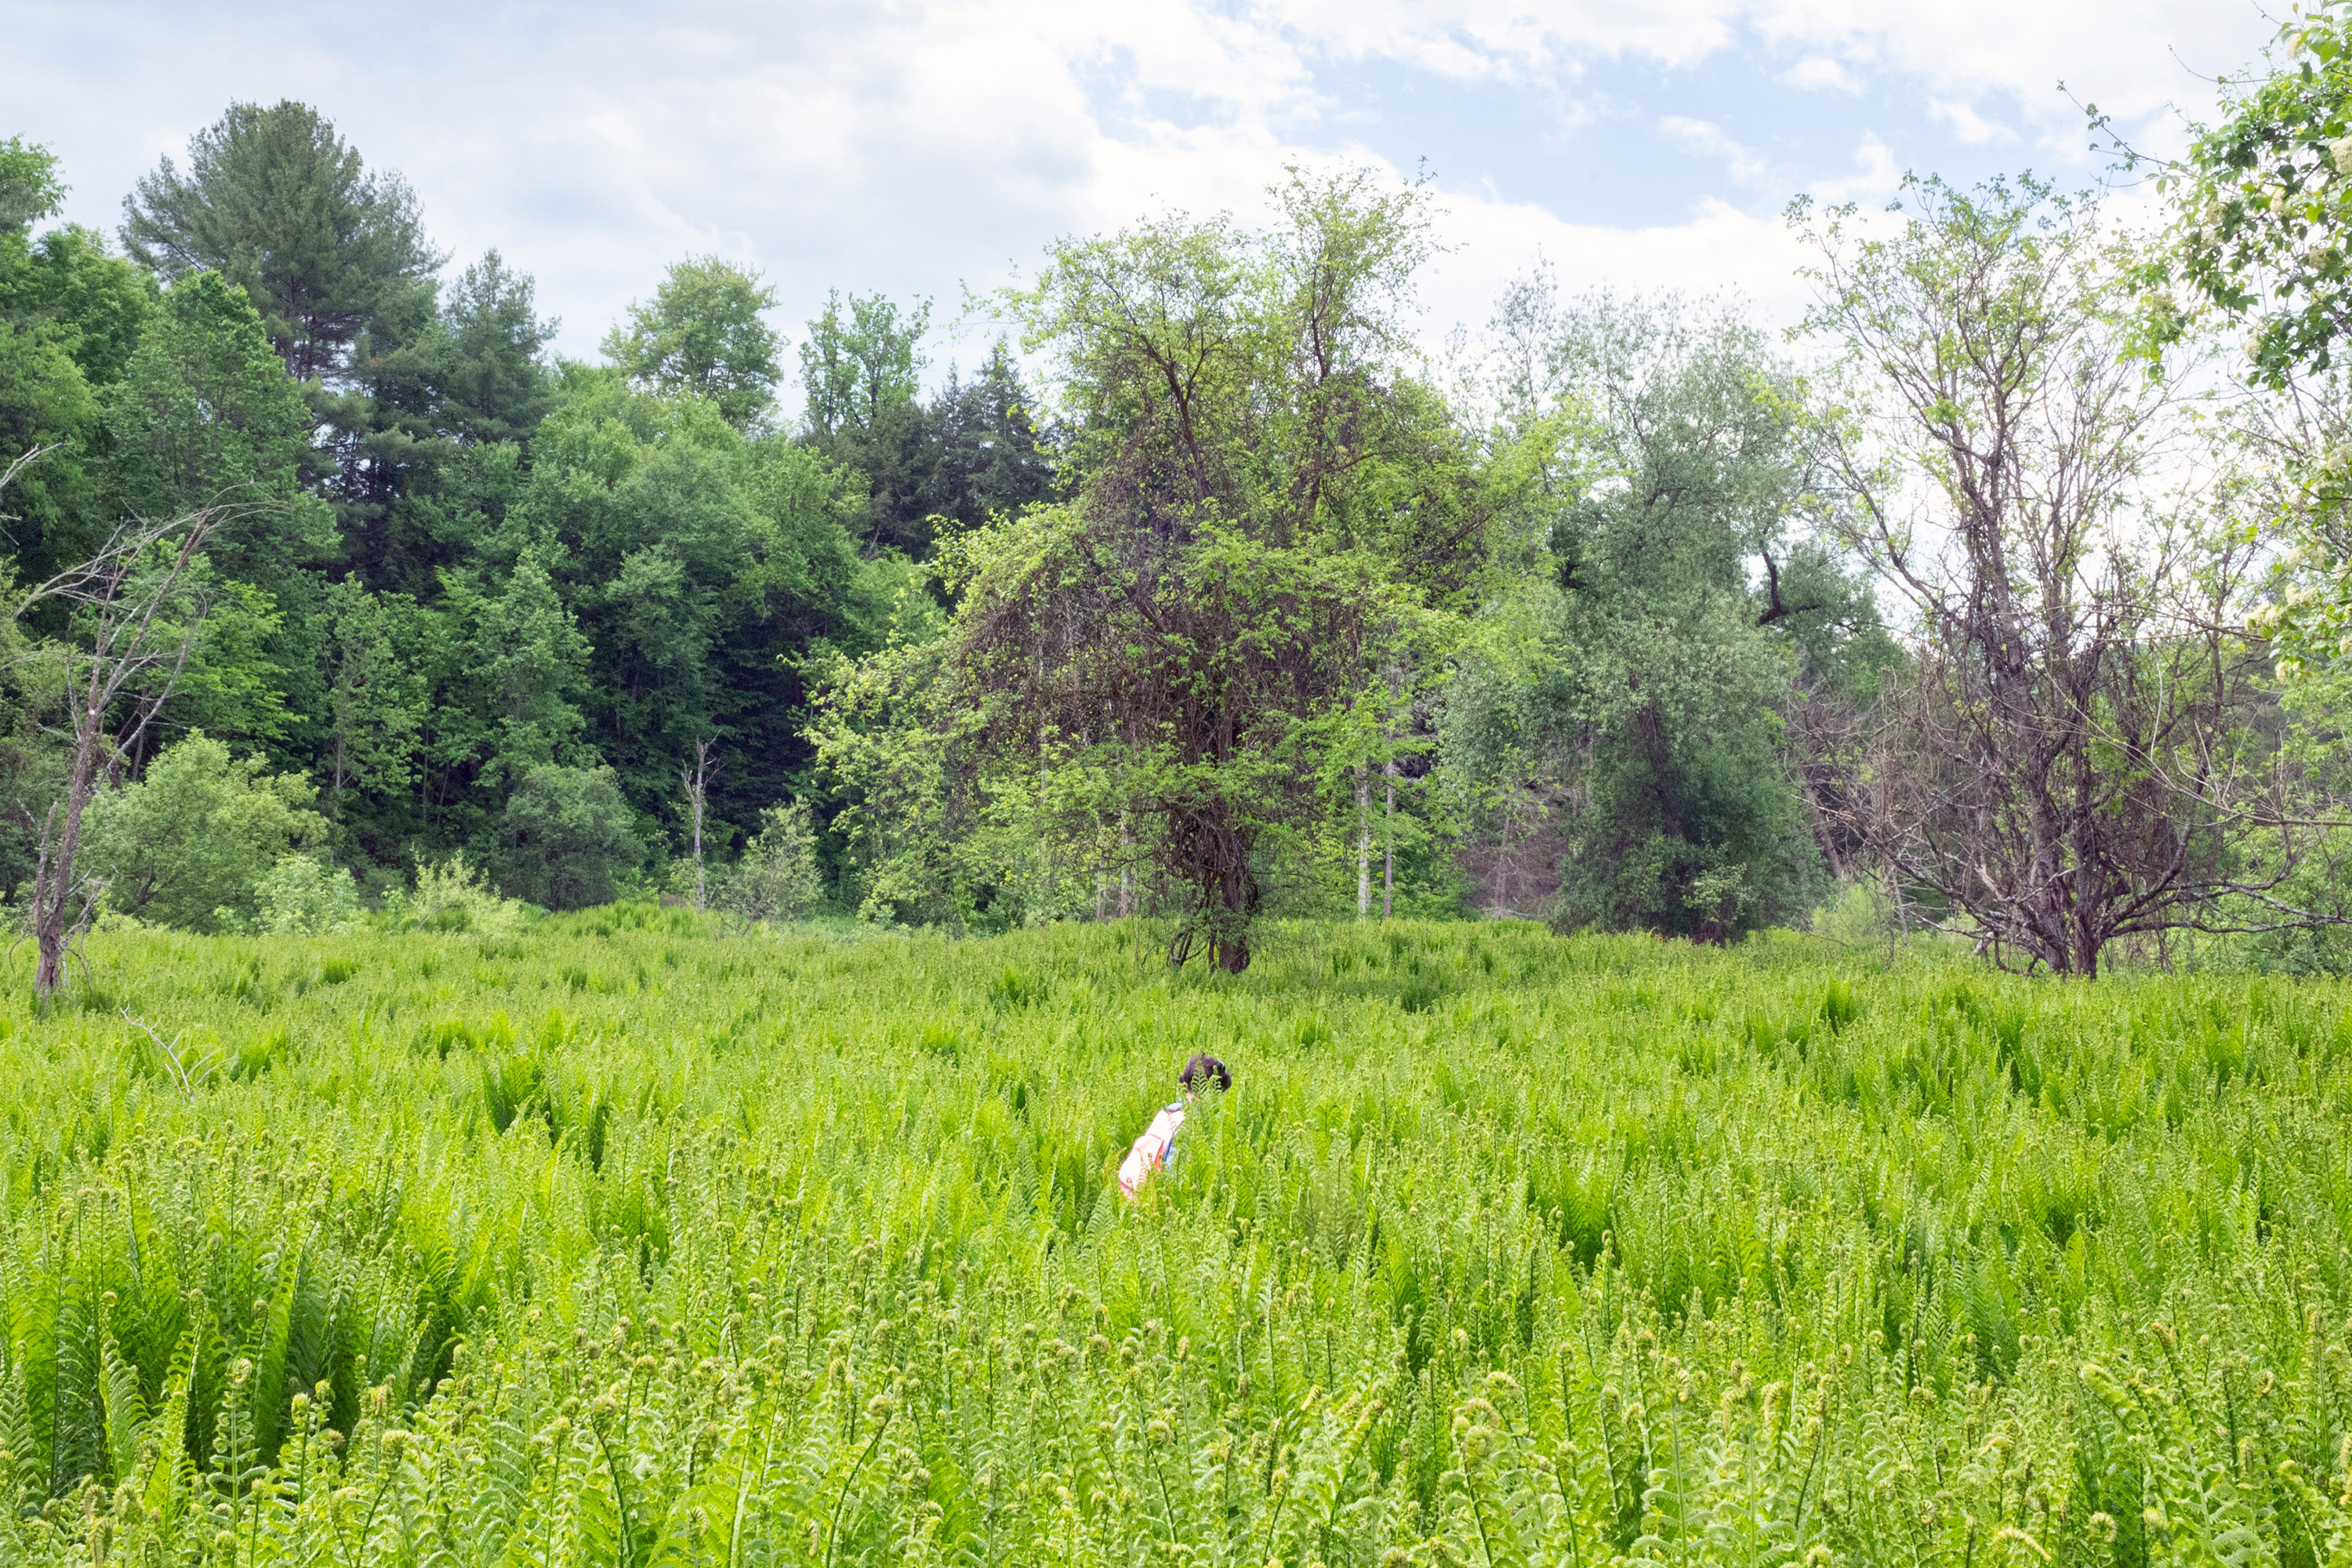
{"x": 1200, "y": 1070}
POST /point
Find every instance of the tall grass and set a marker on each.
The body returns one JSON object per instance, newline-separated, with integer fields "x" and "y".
{"x": 626, "y": 1242}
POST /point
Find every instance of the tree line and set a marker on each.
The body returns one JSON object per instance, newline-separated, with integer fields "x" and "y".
{"x": 2002, "y": 606}
{"x": 474, "y": 597}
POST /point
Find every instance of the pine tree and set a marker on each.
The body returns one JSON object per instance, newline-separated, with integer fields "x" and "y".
{"x": 278, "y": 202}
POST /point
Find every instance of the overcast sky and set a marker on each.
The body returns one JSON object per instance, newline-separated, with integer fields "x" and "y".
{"x": 922, "y": 149}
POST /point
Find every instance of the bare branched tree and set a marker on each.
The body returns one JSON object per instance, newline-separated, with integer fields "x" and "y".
{"x": 134, "y": 615}
{"x": 2073, "y": 758}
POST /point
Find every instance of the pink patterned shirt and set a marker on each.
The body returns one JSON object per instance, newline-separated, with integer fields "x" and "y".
{"x": 1150, "y": 1151}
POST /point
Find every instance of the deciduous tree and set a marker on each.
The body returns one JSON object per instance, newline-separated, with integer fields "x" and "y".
{"x": 702, "y": 333}
{"x": 2069, "y": 762}
{"x": 1269, "y": 512}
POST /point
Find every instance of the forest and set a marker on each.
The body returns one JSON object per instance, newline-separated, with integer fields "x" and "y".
{"x": 2003, "y": 599}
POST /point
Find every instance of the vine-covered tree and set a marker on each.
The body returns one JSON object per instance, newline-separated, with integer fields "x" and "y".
{"x": 1269, "y": 514}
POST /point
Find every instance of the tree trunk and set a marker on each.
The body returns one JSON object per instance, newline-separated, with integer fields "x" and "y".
{"x": 1363, "y": 841}
{"x": 698, "y": 788}
{"x": 1232, "y": 951}
{"x": 53, "y": 880}
{"x": 1387, "y": 852}
{"x": 1126, "y": 862}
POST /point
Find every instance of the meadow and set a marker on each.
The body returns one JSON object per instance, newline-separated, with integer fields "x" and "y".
{"x": 625, "y": 1240}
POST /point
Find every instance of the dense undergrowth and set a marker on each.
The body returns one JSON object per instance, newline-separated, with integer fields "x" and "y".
{"x": 625, "y": 1242}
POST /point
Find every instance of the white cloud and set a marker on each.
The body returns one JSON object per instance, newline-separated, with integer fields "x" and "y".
{"x": 1477, "y": 39}
{"x": 1874, "y": 176}
{"x": 1720, "y": 250}
{"x": 2134, "y": 58}
{"x": 1705, "y": 139}
{"x": 1972, "y": 130}
{"x": 917, "y": 147}
{"x": 1819, "y": 73}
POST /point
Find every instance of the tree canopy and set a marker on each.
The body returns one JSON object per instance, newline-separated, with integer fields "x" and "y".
{"x": 1210, "y": 591}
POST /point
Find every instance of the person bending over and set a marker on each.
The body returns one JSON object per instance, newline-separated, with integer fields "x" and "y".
{"x": 1150, "y": 1151}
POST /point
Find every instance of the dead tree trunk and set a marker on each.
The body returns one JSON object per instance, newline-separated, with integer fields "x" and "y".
{"x": 1363, "y": 841}
{"x": 136, "y": 616}
{"x": 696, "y": 781}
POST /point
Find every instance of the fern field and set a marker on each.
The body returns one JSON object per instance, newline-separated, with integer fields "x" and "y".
{"x": 622, "y": 1241}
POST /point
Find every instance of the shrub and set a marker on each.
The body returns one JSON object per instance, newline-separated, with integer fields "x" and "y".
{"x": 778, "y": 875}
{"x": 1861, "y": 915}
{"x": 570, "y": 838}
{"x": 189, "y": 844}
{"x": 306, "y": 895}
{"x": 455, "y": 897}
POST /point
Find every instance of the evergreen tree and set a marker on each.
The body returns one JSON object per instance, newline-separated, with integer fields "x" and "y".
{"x": 992, "y": 458}
{"x": 275, "y": 200}
{"x": 423, "y": 393}
{"x": 490, "y": 370}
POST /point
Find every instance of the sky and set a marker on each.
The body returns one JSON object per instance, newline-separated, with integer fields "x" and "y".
{"x": 933, "y": 150}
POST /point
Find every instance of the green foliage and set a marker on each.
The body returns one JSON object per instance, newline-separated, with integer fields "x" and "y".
{"x": 778, "y": 877}
{"x": 487, "y": 370}
{"x": 47, "y": 403}
{"x": 2261, "y": 203}
{"x": 515, "y": 668}
{"x": 191, "y": 842}
{"x": 425, "y": 389}
{"x": 973, "y": 451}
{"x": 569, "y": 837}
{"x": 207, "y": 415}
{"x": 70, "y": 314}
{"x": 700, "y": 568}
{"x": 860, "y": 370}
{"x": 1616, "y": 717}
{"x": 950, "y": 464}
{"x": 2261, "y": 217}
{"x": 1859, "y": 914}
{"x": 305, "y": 895}
{"x": 454, "y": 897}
{"x": 29, "y": 188}
{"x": 621, "y": 1240}
{"x": 702, "y": 335}
{"x": 97, "y": 302}
{"x": 376, "y": 692}
{"x": 1270, "y": 523}
{"x": 281, "y": 206}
